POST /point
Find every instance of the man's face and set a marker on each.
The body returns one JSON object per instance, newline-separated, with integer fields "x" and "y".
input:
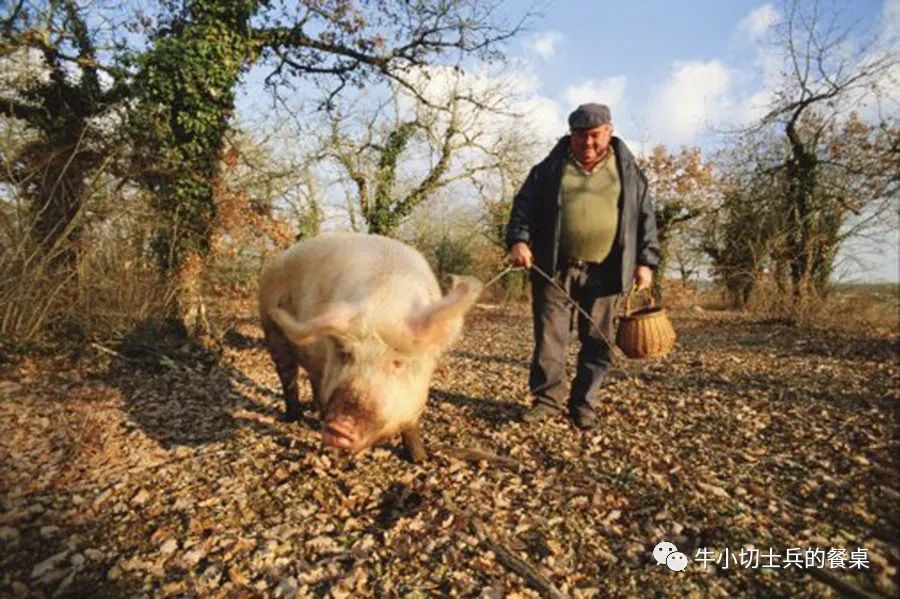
{"x": 589, "y": 145}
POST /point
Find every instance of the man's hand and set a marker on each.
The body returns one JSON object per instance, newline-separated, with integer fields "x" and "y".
{"x": 520, "y": 255}
{"x": 643, "y": 276}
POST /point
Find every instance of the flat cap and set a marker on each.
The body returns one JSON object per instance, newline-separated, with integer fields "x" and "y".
{"x": 588, "y": 116}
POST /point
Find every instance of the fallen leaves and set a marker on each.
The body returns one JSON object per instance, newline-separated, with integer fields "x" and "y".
{"x": 184, "y": 481}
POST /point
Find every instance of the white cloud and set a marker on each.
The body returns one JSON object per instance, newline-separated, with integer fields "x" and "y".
{"x": 890, "y": 18}
{"x": 693, "y": 99}
{"x": 755, "y": 107}
{"x": 544, "y": 116}
{"x": 544, "y": 44}
{"x": 610, "y": 91}
{"x": 771, "y": 65}
{"x": 886, "y": 93}
{"x": 754, "y": 85}
{"x": 758, "y": 21}
{"x": 514, "y": 92}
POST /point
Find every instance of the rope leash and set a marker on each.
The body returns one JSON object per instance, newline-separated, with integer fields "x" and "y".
{"x": 615, "y": 352}
{"x": 502, "y": 274}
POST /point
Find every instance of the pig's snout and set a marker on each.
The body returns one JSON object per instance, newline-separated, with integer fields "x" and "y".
{"x": 341, "y": 432}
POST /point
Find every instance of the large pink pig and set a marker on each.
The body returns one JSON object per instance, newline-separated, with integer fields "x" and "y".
{"x": 364, "y": 316}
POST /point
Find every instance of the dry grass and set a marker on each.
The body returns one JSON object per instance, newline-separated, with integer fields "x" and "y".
{"x": 872, "y": 308}
{"x": 864, "y": 306}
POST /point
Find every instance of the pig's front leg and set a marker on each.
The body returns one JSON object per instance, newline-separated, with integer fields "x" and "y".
{"x": 284, "y": 357}
{"x": 412, "y": 441}
{"x": 292, "y": 408}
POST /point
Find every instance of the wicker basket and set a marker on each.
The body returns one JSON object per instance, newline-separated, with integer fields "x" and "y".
{"x": 646, "y": 332}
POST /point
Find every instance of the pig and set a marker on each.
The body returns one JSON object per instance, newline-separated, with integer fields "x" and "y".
{"x": 364, "y": 316}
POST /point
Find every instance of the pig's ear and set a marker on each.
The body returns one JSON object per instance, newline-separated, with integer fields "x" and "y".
{"x": 438, "y": 324}
{"x": 333, "y": 321}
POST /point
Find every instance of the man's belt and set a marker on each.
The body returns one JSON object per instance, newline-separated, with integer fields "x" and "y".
{"x": 579, "y": 263}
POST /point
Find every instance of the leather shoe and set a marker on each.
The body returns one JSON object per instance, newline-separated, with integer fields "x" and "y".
{"x": 584, "y": 418}
{"x": 539, "y": 413}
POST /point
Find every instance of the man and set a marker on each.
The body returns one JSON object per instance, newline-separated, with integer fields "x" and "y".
{"x": 584, "y": 216}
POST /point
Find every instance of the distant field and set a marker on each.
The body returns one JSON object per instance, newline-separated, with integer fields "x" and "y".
{"x": 849, "y": 305}
{"x": 878, "y": 289}
{"x": 874, "y": 304}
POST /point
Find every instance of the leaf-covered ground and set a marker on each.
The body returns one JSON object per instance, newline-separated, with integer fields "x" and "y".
{"x": 124, "y": 480}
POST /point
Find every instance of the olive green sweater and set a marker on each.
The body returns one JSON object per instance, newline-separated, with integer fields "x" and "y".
{"x": 590, "y": 210}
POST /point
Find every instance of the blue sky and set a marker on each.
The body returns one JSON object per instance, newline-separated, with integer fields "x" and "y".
{"x": 671, "y": 71}
{"x": 678, "y": 73}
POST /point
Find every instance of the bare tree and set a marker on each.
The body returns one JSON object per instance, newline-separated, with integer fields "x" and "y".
{"x": 836, "y": 172}
{"x": 406, "y": 150}
{"x": 340, "y": 44}
{"x": 61, "y": 82}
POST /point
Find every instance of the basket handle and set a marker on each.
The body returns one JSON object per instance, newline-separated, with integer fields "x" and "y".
{"x": 635, "y": 291}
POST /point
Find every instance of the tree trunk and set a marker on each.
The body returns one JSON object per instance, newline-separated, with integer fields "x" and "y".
{"x": 190, "y": 306}
{"x": 656, "y": 288}
{"x": 185, "y": 120}
{"x": 802, "y": 238}
{"x": 57, "y": 201}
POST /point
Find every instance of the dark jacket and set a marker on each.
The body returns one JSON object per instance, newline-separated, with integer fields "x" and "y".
{"x": 535, "y": 217}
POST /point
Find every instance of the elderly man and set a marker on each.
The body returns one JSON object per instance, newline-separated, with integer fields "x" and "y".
{"x": 584, "y": 216}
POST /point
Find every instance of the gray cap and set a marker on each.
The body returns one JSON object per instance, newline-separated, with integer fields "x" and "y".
{"x": 588, "y": 116}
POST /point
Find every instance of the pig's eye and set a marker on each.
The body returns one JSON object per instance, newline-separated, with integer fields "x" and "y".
{"x": 397, "y": 364}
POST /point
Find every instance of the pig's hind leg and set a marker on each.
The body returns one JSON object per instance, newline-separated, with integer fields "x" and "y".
{"x": 284, "y": 355}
